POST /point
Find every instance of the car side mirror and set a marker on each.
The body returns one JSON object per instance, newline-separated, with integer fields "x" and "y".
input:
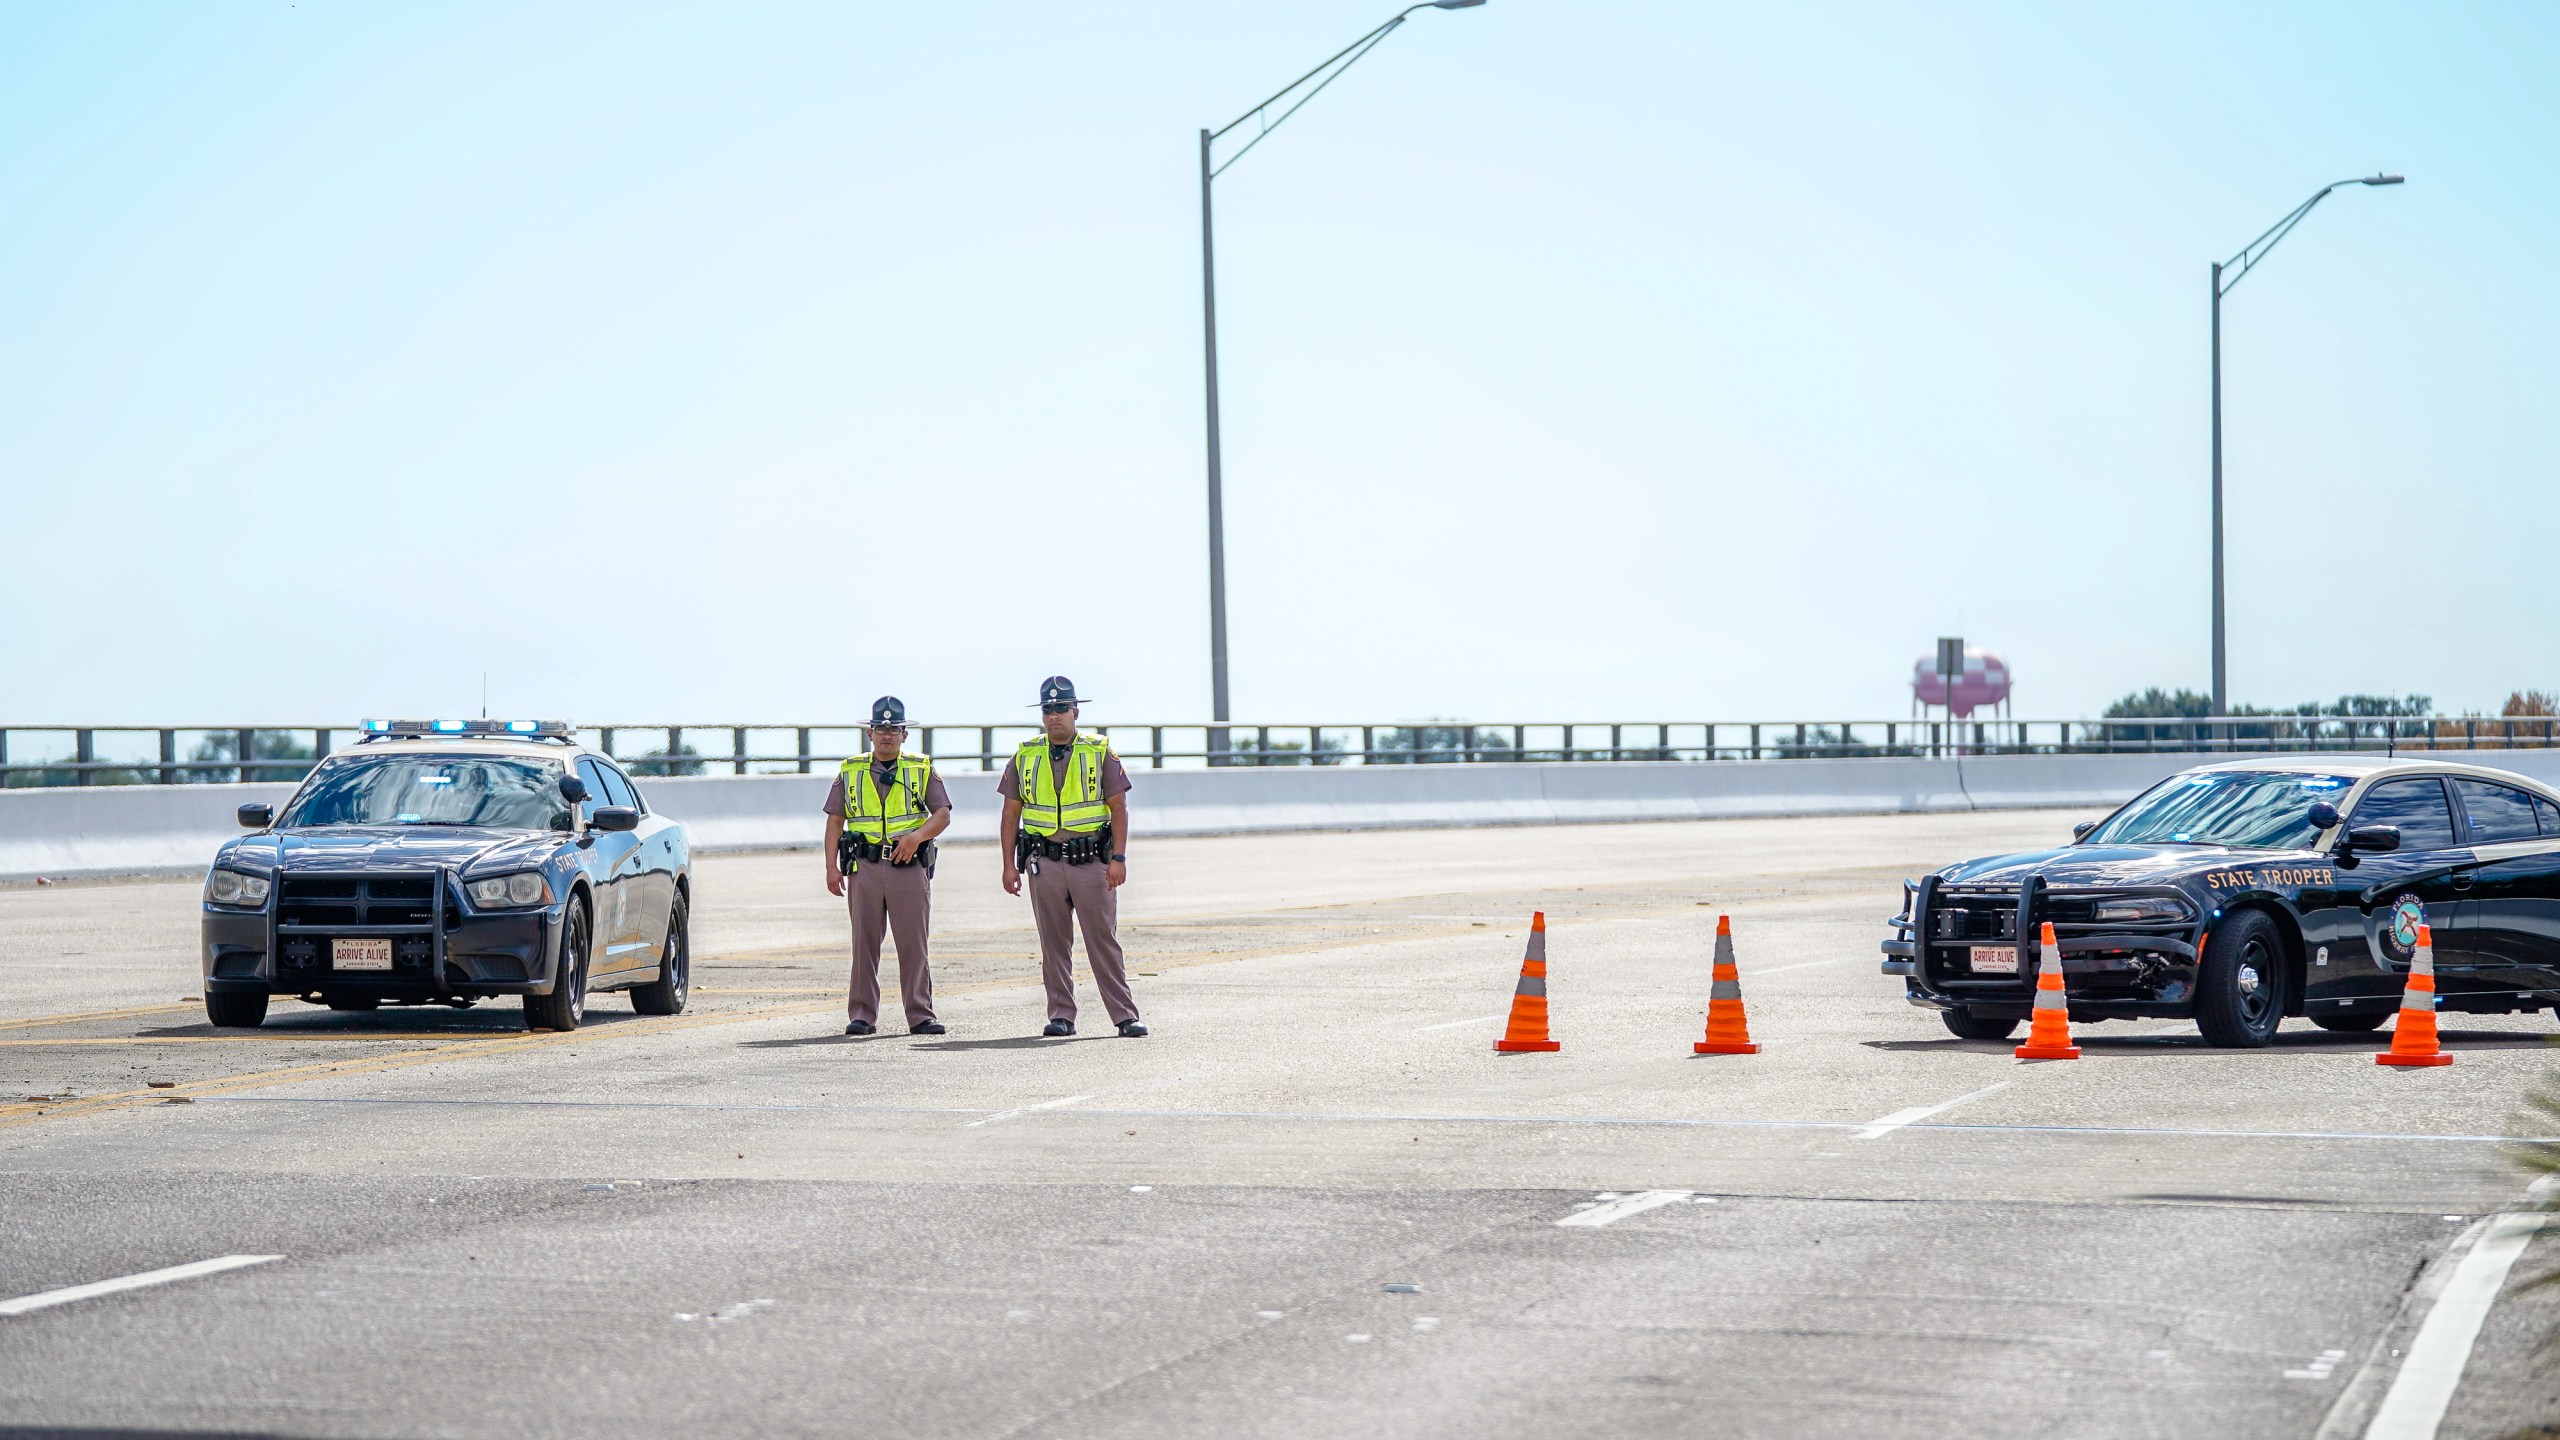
{"x": 573, "y": 789}
{"x": 2081, "y": 830}
{"x": 623, "y": 817}
{"x": 2378, "y": 839}
{"x": 2323, "y": 815}
{"x": 254, "y": 816}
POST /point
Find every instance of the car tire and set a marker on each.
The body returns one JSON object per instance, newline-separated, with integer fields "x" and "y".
{"x": 1965, "y": 1025}
{"x": 2240, "y": 985}
{"x": 566, "y": 1005}
{"x": 236, "y": 1009}
{"x": 352, "y": 1002}
{"x": 665, "y": 995}
{"x": 2351, "y": 1024}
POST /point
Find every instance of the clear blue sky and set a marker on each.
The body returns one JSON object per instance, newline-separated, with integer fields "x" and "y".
{"x": 1686, "y": 360}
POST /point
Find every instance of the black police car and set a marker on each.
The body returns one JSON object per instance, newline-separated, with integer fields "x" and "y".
{"x": 2241, "y": 893}
{"x": 448, "y": 861}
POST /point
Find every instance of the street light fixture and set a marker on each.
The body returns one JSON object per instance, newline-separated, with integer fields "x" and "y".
{"x": 1330, "y": 70}
{"x": 2239, "y": 266}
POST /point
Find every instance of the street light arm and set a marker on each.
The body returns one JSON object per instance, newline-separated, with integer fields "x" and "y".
{"x": 2256, "y": 250}
{"x": 1341, "y": 60}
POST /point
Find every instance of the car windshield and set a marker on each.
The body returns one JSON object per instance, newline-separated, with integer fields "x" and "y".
{"x": 2251, "y": 809}
{"x": 488, "y": 790}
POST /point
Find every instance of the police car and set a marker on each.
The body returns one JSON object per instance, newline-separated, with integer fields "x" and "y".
{"x": 2238, "y": 894}
{"x": 446, "y": 862}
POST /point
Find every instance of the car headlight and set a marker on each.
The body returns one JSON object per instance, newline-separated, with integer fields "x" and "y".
{"x": 506, "y": 891}
{"x": 2157, "y": 908}
{"x": 236, "y": 887}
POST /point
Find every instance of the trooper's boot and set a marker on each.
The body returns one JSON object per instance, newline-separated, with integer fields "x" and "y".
{"x": 1131, "y": 1030}
{"x": 1060, "y": 1027}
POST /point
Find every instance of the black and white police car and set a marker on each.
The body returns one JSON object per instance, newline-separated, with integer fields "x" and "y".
{"x": 2240, "y": 893}
{"x": 450, "y": 861}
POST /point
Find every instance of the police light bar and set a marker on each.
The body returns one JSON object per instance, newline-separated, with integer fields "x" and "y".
{"x": 553, "y": 729}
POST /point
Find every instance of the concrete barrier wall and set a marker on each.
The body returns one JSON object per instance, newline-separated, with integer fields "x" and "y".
{"x": 162, "y": 829}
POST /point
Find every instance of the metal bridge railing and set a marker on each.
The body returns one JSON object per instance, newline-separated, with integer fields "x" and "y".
{"x": 45, "y": 755}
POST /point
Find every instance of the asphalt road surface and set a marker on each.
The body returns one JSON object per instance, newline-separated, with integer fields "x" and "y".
{"x": 1315, "y": 1202}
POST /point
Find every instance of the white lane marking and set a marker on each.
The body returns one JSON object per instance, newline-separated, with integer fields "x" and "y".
{"x": 1620, "y": 1209}
{"x": 2415, "y": 1404}
{"x": 1396, "y": 1118}
{"x": 1783, "y": 969}
{"x": 146, "y": 1279}
{"x": 1900, "y": 1118}
{"x": 1454, "y": 1024}
{"x": 1027, "y": 1109}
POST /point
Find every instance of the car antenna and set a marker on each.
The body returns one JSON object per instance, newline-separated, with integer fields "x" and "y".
{"x": 484, "y": 694}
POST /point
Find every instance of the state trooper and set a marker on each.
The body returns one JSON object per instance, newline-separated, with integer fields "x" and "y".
{"x": 882, "y": 814}
{"x": 1066, "y": 821}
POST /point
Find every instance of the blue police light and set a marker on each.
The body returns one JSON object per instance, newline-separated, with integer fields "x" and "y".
{"x": 523, "y": 727}
{"x": 452, "y": 727}
{"x": 377, "y": 727}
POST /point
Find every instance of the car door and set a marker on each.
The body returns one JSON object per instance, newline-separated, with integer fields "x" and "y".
{"x": 2513, "y": 911}
{"x": 2432, "y": 867}
{"x": 653, "y": 863}
{"x": 612, "y": 863}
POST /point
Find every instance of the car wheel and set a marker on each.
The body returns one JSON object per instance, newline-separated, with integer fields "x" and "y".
{"x": 2351, "y": 1024}
{"x": 566, "y": 1005}
{"x": 1965, "y": 1025}
{"x": 353, "y": 1002}
{"x": 2240, "y": 985}
{"x": 236, "y": 1009}
{"x": 665, "y": 995}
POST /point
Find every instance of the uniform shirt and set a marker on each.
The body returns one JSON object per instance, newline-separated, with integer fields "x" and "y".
{"x": 1115, "y": 778}
{"x": 882, "y": 777}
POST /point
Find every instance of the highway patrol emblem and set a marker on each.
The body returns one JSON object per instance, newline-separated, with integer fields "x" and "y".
{"x": 2400, "y": 929}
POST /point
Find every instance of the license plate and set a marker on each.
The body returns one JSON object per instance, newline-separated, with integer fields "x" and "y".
{"x": 366, "y": 954}
{"x": 1991, "y": 959}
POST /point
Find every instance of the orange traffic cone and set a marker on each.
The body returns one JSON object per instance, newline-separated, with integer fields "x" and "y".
{"x": 1528, "y": 1027}
{"x": 2049, "y": 1033}
{"x": 2413, "y": 1035}
{"x": 1728, "y": 1030}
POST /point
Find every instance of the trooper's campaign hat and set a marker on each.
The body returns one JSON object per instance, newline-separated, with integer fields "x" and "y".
{"x": 888, "y": 710}
{"x": 1057, "y": 690}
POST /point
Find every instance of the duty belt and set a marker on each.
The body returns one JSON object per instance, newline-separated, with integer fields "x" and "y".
{"x": 852, "y": 849}
{"x": 1070, "y": 849}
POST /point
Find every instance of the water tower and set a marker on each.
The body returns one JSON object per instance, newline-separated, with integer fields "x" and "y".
{"x": 1982, "y": 683}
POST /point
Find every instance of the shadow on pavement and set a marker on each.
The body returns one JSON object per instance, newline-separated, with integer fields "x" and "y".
{"x": 1013, "y": 1042}
{"x": 2099, "y": 1042}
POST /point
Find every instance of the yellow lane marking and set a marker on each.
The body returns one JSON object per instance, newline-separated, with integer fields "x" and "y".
{"x": 91, "y": 1015}
{"x": 757, "y": 990}
{"x": 12, "y": 1116}
{"x": 269, "y": 1037}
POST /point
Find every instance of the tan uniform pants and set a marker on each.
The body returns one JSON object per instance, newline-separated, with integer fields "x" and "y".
{"x": 1064, "y": 897}
{"x": 889, "y": 900}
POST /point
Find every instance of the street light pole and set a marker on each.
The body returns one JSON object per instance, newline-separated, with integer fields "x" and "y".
{"x": 2226, "y": 275}
{"x": 1217, "y": 497}
{"x": 1331, "y": 69}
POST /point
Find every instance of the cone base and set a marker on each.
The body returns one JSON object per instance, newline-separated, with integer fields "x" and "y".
{"x": 2048, "y": 1052}
{"x": 1724, "y": 1047}
{"x": 2387, "y": 1058}
{"x": 1518, "y": 1046}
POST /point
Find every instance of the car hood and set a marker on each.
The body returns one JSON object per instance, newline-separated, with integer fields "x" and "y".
{"x": 328, "y": 849}
{"x": 2102, "y": 866}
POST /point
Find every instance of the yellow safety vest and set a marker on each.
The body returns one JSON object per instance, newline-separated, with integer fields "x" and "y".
{"x": 880, "y": 818}
{"x": 1048, "y": 809}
